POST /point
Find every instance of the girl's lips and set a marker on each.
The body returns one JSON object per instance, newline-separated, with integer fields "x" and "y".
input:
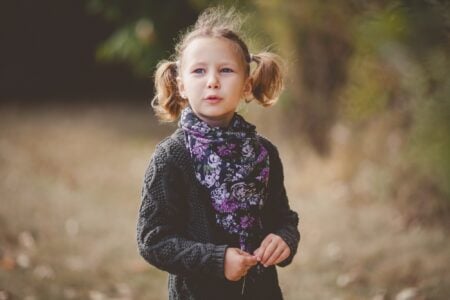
{"x": 213, "y": 99}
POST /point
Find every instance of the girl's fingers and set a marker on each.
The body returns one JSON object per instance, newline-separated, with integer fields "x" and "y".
{"x": 249, "y": 260}
{"x": 268, "y": 252}
{"x": 256, "y": 252}
{"x": 275, "y": 255}
{"x": 264, "y": 244}
{"x": 283, "y": 255}
{"x": 261, "y": 251}
{"x": 267, "y": 240}
{"x": 260, "y": 254}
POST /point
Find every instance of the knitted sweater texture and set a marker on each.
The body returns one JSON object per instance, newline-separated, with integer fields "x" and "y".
{"x": 177, "y": 233}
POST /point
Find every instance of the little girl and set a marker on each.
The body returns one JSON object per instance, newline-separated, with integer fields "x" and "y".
{"x": 214, "y": 211}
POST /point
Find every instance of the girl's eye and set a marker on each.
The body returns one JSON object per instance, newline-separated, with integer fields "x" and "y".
{"x": 199, "y": 71}
{"x": 227, "y": 70}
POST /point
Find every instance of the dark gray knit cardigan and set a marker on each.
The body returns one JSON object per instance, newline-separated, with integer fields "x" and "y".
{"x": 177, "y": 233}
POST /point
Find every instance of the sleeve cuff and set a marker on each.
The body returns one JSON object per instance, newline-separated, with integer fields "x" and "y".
{"x": 218, "y": 261}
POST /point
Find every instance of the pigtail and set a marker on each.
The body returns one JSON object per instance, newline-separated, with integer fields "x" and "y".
{"x": 167, "y": 102}
{"x": 267, "y": 77}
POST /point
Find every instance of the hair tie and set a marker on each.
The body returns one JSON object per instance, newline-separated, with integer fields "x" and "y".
{"x": 251, "y": 57}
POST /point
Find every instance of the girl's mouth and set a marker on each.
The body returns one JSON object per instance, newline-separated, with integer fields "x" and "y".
{"x": 213, "y": 99}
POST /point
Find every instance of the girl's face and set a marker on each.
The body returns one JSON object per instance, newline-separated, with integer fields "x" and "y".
{"x": 213, "y": 78}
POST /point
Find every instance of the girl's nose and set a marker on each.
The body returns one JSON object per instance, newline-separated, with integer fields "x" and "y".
{"x": 213, "y": 81}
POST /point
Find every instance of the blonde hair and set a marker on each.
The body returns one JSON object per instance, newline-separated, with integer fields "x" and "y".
{"x": 267, "y": 76}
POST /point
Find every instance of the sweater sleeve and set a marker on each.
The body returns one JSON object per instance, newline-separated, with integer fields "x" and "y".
{"x": 160, "y": 225}
{"x": 286, "y": 220}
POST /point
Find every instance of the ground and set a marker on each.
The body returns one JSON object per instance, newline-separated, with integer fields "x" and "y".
{"x": 70, "y": 180}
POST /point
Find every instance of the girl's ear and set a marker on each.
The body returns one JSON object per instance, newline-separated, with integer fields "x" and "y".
{"x": 181, "y": 87}
{"x": 248, "y": 88}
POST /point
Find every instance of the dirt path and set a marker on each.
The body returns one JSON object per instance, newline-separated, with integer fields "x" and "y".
{"x": 70, "y": 186}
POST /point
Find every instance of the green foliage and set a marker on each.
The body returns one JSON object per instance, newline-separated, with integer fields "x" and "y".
{"x": 145, "y": 30}
{"x": 132, "y": 44}
{"x": 430, "y": 138}
{"x": 377, "y": 38}
{"x": 366, "y": 94}
{"x": 110, "y": 10}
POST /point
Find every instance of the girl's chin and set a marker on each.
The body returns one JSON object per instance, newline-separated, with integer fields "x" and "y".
{"x": 216, "y": 119}
{"x": 214, "y": 112}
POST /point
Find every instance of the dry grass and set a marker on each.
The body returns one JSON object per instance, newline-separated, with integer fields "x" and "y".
{"x": 70, "y": 184}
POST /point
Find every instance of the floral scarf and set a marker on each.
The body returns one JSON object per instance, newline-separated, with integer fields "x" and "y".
{"x": 234, "y": 166}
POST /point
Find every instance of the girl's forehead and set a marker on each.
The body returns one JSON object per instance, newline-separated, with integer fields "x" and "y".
{"x": 207, "y": 49}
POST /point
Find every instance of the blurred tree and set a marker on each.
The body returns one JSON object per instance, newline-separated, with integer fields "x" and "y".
{"x": 358, "y": 61}
{"x": 318, "y": 33}
{"x": 400, "y": 64}
{"x": 146, "y": 29}
{"x": 353, "y": 61}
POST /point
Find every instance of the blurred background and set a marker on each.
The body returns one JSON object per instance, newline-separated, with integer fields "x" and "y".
{"x": 362, "y": 127}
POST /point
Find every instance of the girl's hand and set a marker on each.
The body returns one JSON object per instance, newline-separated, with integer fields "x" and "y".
{"x": 237, "y": 263}
{"x": 272, "y": 251}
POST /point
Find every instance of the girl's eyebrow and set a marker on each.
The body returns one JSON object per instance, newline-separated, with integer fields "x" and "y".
{"x": 201, "y": 63}
{"x": 198, "y": 63}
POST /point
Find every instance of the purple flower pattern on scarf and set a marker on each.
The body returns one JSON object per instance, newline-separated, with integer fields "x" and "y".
{"x": 234, "y": 166}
